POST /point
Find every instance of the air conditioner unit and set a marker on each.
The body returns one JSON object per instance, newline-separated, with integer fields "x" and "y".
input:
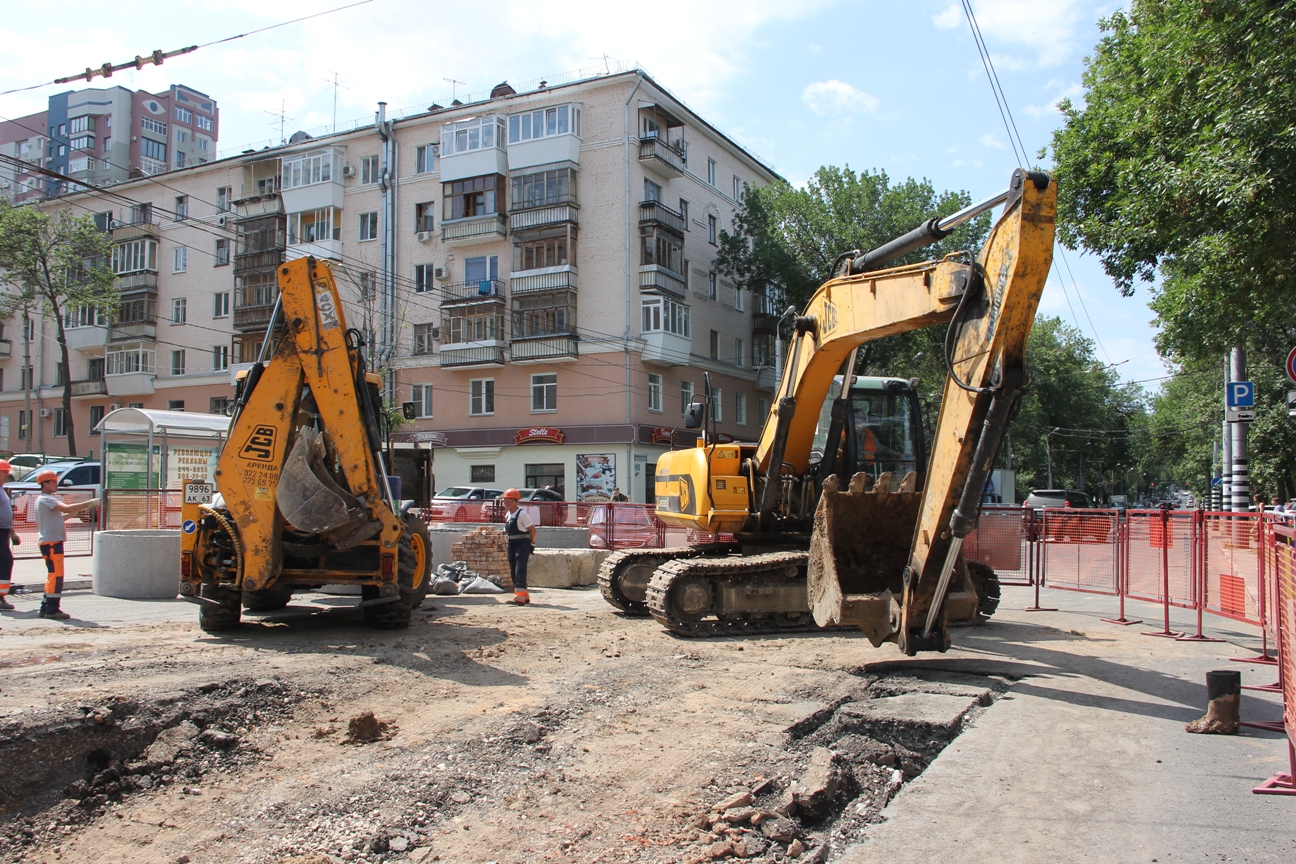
{"x": 45, "y": 412}
{"x": 439, "y": 273}
{"x": 348, "y": 171}
{"x": 424, "y": 236}
{"x": 222, "y": 220}
{"x": 113, "y": 406}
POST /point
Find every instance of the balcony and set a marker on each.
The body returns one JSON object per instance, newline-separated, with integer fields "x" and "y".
{"x": 766, "y": 380}
{"x": 483, "y": 289}
{"x": 472, "y": 355}
{"x": 657, "y": 213}
{"x": 656, "y": 155}
{"x": 6, "y": 348}
{"x": 476, "y": 229}
{"x": 542, "y": 217}
{"x": 263, "y": 204}
{"x": 666, "y": 349}
{"x": 89, "y": 388}
{"x": 256, "y": 317}
{"x": 549, "y": 349}
{"x": 132, "y": 282}
{"x": 125, "y": 331}
{"x": 549, "y": 279}
{"x": 123, "y": 231}
{"x": 131, "y": 384}
{"x": 87, "y": 338}
{"x": 245, "y": 262}
{"x": 653, "y": 277}
{"x": 764, "y": 322}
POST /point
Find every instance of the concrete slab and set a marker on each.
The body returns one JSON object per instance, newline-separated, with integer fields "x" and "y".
{"x": 938, "y": 712}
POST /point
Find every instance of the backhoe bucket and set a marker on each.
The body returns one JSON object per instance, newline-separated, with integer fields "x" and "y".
{"x": 309, "y": 499}
{"x": 858, "y": 553}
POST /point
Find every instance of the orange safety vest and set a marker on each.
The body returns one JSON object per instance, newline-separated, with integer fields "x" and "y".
{"x": 870, "y": 446}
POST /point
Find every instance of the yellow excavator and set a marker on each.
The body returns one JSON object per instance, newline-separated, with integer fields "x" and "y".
{"x": 885, "y": 552}
{"x": 301, "y": 497}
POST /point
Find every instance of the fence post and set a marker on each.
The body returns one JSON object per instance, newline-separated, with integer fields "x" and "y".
{"x": 1198, "y": 569}
{"x": 1122, "y": 571}
{"x": 1165, "y": 579}
{"x": 1037, "y": 535}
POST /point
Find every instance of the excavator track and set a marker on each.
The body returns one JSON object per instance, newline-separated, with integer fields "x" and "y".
{"x": 706, "y": 597}
{"x": 638, "y": 565}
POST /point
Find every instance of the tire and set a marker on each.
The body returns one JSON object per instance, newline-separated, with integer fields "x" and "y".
{"x": 228, "y": 612}
{"x": 421, "y": 545}
{"x": 394, "y": 614}
{"x": 987, "y": 586}
{"x": 267, "y": 599}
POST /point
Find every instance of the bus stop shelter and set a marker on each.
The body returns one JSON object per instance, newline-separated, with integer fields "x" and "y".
{"x": 147, "y": 456}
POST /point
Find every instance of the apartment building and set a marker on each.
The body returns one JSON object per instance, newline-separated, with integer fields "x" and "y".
{"x": 534, "y": 270}
{"x": 104, "y": 136}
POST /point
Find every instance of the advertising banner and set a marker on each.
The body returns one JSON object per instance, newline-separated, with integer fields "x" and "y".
{"x": 595, "y": 476}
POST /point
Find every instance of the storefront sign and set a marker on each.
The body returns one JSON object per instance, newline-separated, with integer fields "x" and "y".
{"x": 420, "y": 437}
{"x": 662, "y": 435}
{"x": 724, "y": 438}
{"x": 539, "y": 434}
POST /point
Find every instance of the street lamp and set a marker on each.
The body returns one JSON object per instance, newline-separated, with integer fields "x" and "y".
{"x": 1048, "y": 451}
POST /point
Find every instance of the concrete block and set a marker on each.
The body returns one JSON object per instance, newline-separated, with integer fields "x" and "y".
{"x": 941, "y": 713}
{"x": 141, "y": 564}
{"x": 564, "y": 568}
{"x": 562, "y": 538}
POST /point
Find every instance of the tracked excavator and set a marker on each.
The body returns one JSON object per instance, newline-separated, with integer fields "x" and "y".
{"x": 828, "y": 527}
{"x": 301, "y": 498}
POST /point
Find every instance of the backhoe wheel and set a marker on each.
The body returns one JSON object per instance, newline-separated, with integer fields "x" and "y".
{"x": 986, "y": 582}
{"x": 267, "y": 599}
{"x": 227, "y": 612}
{"x": 421, "y": 543}
{"x": 394, "y": 614}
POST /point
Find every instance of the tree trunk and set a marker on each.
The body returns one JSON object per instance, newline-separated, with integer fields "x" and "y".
{"x": 67, "y": 383}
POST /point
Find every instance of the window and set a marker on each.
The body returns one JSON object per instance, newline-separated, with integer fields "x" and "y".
{"x": 368, "y": 226}
{"x": 181, "y": 136}
{"x": 203, "y": 122}
{"x": 424, "y": 275}
{"x": 107, "y": 143}
{"x": 738, "y": 299}
{"x": 424, "y": 338}
{"x": 220, "y": 304}
{"x": 686, "y": 395}
{"x": 220, "y": 358}
{"x": 544, "y": 314}
{"x": 308, "y": 169}
{"x": 717, "y": 404}
{"x": 60, "y": 423}
{"x": 103, "y": 221}
{"x": 424, "y": 159}
{"x": 218, "y": 405}
{"x": 652, "y": 191}
{"x": 562, "y": 120}
{"x": 711, "y": 172}
{"x": 84, "y": 142}
{"x": 762, "y": 349}
{"x": 222, "y": 253}
{"x": 553, "y": 248}
{"x": 711, "y": 285}
{"x": 313, "y": 226}
{"x": 544, "y": 393}
{"x": 472, "y": 197}
{"x": 740, "y": 409}
{"x": 141, "y": 213}
{"x": 180, "y": 159}
{"x": 178, "y": 362}
{"x": 423, "y": 214}
{"x": 654, "y": 393}
{"x": 184, "y": 115}
{"x": 475, "y": 327}
{"x": 662, "y": 248}
{"x": 715, "y": 345}
{"x": 711, "y": 230}
{"x": 22, "y": 424}
{"x": 62, "y": 150}
{"x": 79, "y": 124}
{"x": 222, "y": 199}
{"x": 369, "y": 169}
{"x": 546, "y": 475}
{"x": 181, "y": 207}
{"x": 481, "y": 269}
{"x": 481, "y": 473}
{"x": 684, "y": 213}
{"x": 28, "y": 377}
{"x": 175, "y": 404}
{"x": 481, "y": 396}
{"x": 737, "y": 188}
{"x": 179, "y": 310}
{"x": 95, "y": 369}
{"x": 479, "y": 133}
{"x": 544, "y": 188}
{"x": 96, "y": 416}
{"x": 421, "y": 396}
{"x": 664, "y": 314}
{"x": 80, "y": 164}
{"x": 151, "y": 149}
{"x": 181, "y": 263}
{"x": 150, "y": 125}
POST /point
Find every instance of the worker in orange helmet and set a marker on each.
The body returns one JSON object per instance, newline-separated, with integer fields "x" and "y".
{"x": 520, "y": 530}
{"x": 6, "y": 532}
{"x": 50, "y": 512}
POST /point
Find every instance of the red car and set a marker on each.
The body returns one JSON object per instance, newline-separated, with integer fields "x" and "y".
{"x": 624, "y": 526}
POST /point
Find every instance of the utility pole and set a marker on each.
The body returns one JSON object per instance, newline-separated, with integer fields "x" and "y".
{"x": 1241, "y": 490}
{"x": 27, "y": 380}
{"x": 1216, "y": 499}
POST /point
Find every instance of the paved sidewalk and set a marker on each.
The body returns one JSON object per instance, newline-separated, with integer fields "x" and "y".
{"x": 1086, "y": 758}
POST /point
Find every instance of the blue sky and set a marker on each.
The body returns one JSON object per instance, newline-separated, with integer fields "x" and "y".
{"x": 895, "y": 86}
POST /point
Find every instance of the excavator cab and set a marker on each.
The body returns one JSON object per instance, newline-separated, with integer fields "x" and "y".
{"x": 882, "y": 434}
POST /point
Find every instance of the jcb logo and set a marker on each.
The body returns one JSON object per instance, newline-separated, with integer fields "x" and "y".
{"x": 327, "y": 308}
{"x": 259, "y": 446}
{"x": 830, "y": 317}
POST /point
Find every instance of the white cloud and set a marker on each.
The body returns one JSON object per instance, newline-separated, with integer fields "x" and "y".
{"x": 991, "y": 141}
{"x": 1061, "y": 90}
{"x": 1048, "y": 29}
{"x": 837, "y": 97}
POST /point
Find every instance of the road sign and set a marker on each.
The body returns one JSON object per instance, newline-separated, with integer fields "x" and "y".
{"x": 1217, "y": 482}
{"x": 1291, "y": 365}
{"x": 1241, "y": 415}
{"x": 1291, "y": 403}
{"x": 1240, "y": 394}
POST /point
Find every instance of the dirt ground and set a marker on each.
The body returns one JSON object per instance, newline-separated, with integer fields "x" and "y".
{"x": 559, "y": 732}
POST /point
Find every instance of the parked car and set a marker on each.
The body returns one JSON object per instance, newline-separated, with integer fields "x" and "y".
{"x": 1072, "y": 524}
{"x": 1040, "y": 498}
{"x": 461, "y": 504}
{"x": 84, "y": 477}
{"x": 545, "y": 506}
{"x": 623, "y": 526}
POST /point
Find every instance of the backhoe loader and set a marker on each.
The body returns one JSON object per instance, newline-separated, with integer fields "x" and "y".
{"x": 303, "y": 494}
{"x": 884, "y": 553}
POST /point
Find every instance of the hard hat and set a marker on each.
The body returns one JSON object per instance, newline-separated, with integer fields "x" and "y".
{"x": 5, "y": 466}
{"x": 512, "y": 493}
{"x": 46, "y": 475}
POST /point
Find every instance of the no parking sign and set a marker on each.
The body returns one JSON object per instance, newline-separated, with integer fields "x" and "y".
{"x": 1291, "y": 365}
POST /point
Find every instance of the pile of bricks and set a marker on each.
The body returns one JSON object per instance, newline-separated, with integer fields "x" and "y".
{"x": 486, "y": 552}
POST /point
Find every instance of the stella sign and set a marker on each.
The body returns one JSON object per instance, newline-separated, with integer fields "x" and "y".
{"x": 539, "y": 435}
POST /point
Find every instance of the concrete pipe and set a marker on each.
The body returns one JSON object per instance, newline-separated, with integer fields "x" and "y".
{"x": 141, "y": 564}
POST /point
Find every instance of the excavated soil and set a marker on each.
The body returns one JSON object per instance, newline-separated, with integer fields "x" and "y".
{"x": 484, "y": 733}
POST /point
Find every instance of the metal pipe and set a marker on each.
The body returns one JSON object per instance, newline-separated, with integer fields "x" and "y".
{"x": 971, "y": 211}
{"x": 927, "y": 233}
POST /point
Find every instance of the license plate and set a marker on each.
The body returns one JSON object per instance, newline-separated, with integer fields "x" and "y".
{"x": 198, "y": 493}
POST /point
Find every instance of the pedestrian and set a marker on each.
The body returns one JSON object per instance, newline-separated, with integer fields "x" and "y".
{"x": 50, "y": 512}
{"x": 520, "y": 530}
{"x": 618, "y": 495}
{"x": 6, "y": 532}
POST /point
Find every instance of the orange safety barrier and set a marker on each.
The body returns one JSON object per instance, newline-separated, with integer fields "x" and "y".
{"x": 1003, "y": 541}
{"x": 126, "y": 509}
{"x": 1283, "y": 544}
{"x": 80, "y": 527}
{"x": 1081, "y": 549}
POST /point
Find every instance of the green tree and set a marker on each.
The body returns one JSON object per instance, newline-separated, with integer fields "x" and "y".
{"x": 58, "y": 264}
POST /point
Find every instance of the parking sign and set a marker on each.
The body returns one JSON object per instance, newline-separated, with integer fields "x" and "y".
{"x": 1241, "y": 394}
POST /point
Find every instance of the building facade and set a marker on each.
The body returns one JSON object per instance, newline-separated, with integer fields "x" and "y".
{"x": 534, "y": 272}
{"x": 106, "y": 136}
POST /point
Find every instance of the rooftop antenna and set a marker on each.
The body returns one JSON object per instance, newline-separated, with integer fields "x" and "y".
{"x": 282, "y": 116}
{"x": 453, "y": 84}
{"x": 336, "y": 84}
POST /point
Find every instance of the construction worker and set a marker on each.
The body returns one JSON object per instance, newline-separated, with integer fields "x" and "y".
{"x": 50, "y": 512}
{"x": 520, "y": 530}
{"x": 6, "y": 531}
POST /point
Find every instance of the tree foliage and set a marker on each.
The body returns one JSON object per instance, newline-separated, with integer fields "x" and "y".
{"x": 54, "y": 264}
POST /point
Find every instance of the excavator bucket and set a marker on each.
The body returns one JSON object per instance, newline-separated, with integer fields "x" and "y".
{"x": 858, "y": 552}
{"x": 309, "y": 499}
